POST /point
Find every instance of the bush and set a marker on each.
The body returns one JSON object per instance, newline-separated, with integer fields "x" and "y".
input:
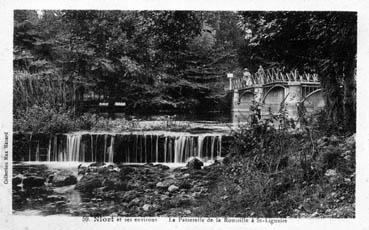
{"x": 48, "y": 119}
{"x": 43, "y": 119}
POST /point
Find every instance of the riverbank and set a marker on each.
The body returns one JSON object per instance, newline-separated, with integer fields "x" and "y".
{"x": 124, "y": 190}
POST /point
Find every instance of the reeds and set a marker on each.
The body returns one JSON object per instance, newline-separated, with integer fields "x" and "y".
{"x": 41, "y": 88}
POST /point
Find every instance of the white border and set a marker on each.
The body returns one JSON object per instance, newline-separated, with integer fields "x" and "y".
{"x": 8, "y": 221}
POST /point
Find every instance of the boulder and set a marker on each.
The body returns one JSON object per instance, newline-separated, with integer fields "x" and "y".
{"x": 351, "y": 140}
{"x": 134, "y": 202}
{"x": 97, "y": 164}
{"x": 162, "y": 167}
{"x": 165, "y": 184}
{"x": 173, "y": 188}
{"x": 114, "y": 183}
{"x": 330, "y": 173}
{"x": 82, "y": 169}
{"x": 226, "y": 160}
{"x": 185, "y": 184}
{"x": 16, "y": 180}
{"x": 161, "y": 185}
{"x": 147, "y": 207}
{"x": 89, "y": 183}
{"x": 33, "y": 181}
{"x": 61, "y": 179}
{"x": 195, "y": 164}
{"x": 54, "y": 198}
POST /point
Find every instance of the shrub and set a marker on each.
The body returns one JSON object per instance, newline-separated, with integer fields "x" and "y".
{"x": 48, "y": 119}
{"x": 43, "y": 119}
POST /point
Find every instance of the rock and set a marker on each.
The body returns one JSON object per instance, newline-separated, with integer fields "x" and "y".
{"x": 160, "y": 185}
{"x": 226, "y": 160}
{"x": 331, "y": 173}
{"x": 125, "y": 171}
{"x": 351, "y": 140}
{"x": 162, "y": 167}
{"x": 16, "y": 181}
{"x": 60, "y": 203}
{"x": 129, "y": 195}
{"x": 60, "y": 180}
{"x": 82, "y": 169}
{"x": 89, "y": 183}
{"x": 33, "y": 181}
{"x": 195, "y": 164}
{"x": 346, "y": 153}
{"x": 114, "y": 183}
{"x": 334, "y": 139}
{"x": 146, "y": 207}
{"x": 185, "y": 184}
{"x": 172, "y": 188}
{"x": 165, "y": 184}
{"x": 186, "y": 175}
{"x": 135, "y": 201}
{"x": 97, "y": 164}
{"x": 151, "y": 185}
{"x": 54, "y": 198}
{"x": 347, "y": 158}
{"x": 315, "y": 214}
{"x": 188, "y": 212}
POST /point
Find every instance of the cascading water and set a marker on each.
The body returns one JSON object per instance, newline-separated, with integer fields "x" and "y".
{"x": 163, "y": 147}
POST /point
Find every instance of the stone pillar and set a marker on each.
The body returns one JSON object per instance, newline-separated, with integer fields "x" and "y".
{"x": 236, "y": 98}
{"x": 235, "y": 106}
{"x": 294, "y": 96}
{"x": 230, "y": 76}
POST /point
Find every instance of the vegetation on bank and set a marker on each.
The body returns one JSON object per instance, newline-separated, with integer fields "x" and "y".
{"x": 273, "y": 172}
{"x": 46, "y": 119}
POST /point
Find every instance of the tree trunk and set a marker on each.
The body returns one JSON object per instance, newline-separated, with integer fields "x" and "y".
{"x": 349, "y": 99}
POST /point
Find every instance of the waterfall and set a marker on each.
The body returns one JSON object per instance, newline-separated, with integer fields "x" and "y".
{"x": 111, "y": 150}
{"x": 200, "y": 145}
{"x": 49, "y": 149}
{"x": 138, "y": 147}
{"x": 73, "y": 147}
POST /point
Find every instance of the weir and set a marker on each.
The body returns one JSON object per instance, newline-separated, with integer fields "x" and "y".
{"x": 161, "y": 147}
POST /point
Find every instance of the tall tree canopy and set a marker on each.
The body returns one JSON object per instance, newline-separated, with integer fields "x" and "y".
{"x": 150, "y": 59}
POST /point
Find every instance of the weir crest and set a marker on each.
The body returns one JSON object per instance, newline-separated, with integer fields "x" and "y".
{"x": 134, "y": 147}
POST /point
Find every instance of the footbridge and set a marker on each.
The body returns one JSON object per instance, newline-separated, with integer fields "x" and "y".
{"x": 273, "y": 89}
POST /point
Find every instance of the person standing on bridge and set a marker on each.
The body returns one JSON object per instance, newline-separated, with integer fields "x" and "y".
{"x": 247, "y": 77}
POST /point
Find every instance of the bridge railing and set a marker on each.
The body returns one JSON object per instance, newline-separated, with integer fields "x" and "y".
{"x": 263, "y": 77}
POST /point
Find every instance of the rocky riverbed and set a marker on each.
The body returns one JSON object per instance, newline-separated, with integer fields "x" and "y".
{"x": 110, "y": 189}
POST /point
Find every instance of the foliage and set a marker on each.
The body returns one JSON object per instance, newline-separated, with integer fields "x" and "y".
{"x": 152, "y": 60}
{"x": 47, "y": 119}
{"x": 273, "y": 172}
